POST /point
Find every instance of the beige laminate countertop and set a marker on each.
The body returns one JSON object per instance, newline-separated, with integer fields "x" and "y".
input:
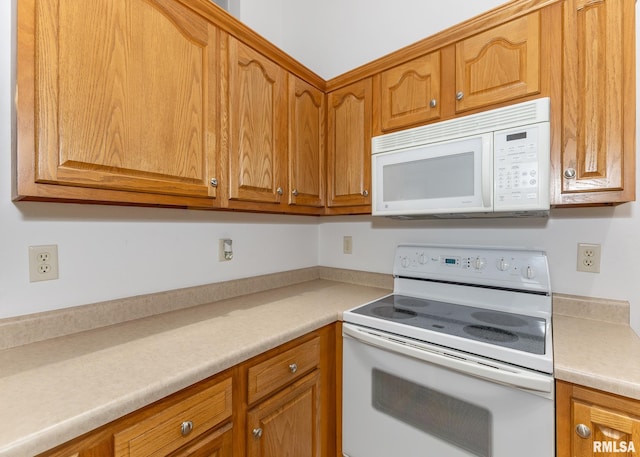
{"x": 598, "y": 354}
{"x": 55, "y": 390}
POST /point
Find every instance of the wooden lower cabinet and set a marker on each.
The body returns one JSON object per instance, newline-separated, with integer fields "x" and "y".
{"x": 594, "y": 423}
{"x": 279, "y": 403}
{"x": 287, "y": 424}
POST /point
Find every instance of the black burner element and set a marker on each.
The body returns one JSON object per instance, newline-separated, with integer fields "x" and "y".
{"x": 484, "y": 332}
{"x": 389, "y": 312}
{"x": 497, "y": 318}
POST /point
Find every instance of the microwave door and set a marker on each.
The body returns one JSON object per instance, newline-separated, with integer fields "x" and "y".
{"x": 439, "y": 178}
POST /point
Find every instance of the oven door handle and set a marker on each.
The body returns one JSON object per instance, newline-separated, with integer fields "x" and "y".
{"x": 515, "y": 378}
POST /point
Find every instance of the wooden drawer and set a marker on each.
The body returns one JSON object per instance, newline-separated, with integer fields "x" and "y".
{"x": 277, "y": 371}
{"x": 161, "y": 434}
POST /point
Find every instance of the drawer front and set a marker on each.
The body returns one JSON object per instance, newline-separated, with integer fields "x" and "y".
{"x": 177, "y": 425}
{"x": 279, "y": 370}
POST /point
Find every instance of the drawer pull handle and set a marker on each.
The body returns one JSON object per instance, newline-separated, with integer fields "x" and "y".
{"x": 583, "y": 431}
{"x": 293, "y": 368}
{"x": 257, "y": 432}
{"x": 186, "y": 428}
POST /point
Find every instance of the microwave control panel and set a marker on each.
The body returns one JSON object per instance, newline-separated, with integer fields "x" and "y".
{"x": 521, "y": 167}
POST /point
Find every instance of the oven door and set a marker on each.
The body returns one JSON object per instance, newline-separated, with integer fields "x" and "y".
{"x": 401, "y": 397}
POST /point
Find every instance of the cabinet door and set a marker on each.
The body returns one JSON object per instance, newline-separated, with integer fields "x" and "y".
{"x": 124, "y": 97}
{"x": 307, "y": 114}
{"x": 499, "y": 65}
{"x": 287, "y": 424}
{"x": 607, "y": 432}
{"x": 349, "y": 145}
{"x": 410, "y": 93}
{"x": 257, "y": 115}
{"x": 598, "y": 115}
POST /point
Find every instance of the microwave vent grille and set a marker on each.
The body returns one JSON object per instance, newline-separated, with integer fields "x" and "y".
{"x": 487, "y": 121}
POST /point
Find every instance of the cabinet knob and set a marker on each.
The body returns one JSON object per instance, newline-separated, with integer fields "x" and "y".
{"x": 570, "y": 173}
{"x": 279, "y": 191}
{"x": 186, "y": 428}
{"x": 433, "y": 103}
{"x": 365, "y": 193}
{"x": 214, "y": 182}
{"x": 293, "y": 368}
{"x": 583, "y": 431}
{"x": 295, "y": 192}
{"x": 257, "y": 432}
{"x": 459, "y": 95}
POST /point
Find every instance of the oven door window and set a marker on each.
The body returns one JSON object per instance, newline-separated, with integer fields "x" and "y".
{"x": 451, "y": 419}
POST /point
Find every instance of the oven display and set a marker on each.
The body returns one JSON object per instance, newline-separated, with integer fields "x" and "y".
{"x": 450, "y": 261}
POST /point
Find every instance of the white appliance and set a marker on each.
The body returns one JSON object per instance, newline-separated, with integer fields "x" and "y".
{"x": 491, "y": 164}
{"x": 457, "y": 362}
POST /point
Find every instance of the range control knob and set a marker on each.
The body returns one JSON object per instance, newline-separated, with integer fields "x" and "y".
{"x": 502, "y": 264}
{"x": 478, "y": 263}
{"x": 422, "y": 258}
{"x": 529, "y": 272}
{"x": 404, "y": 261}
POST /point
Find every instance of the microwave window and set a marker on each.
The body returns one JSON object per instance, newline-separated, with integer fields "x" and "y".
{"x": 437, "y": 177}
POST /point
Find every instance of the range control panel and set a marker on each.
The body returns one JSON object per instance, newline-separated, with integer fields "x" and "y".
{"x": 520, "y": 269}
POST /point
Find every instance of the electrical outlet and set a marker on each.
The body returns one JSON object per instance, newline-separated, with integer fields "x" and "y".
{"x": 589, "y": 257}
{"x": 347, "y": 245}
{"x": 225, "y": 249}
{"x": 43, "y": 262}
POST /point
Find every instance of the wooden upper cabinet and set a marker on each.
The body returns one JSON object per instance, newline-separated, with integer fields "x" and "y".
{"x": 597, "y": 163}
{"x": 498, "y": 65}
{"x": 349, "y": 146}
{"x": 116, "y": 95}
{"x": 307, "y": 114}
{"x": 410, "y": 92}
{"x": 257, "y": 117}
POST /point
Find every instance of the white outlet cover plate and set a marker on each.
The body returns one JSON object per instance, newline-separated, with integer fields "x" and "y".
{"x": 43, "y": 262}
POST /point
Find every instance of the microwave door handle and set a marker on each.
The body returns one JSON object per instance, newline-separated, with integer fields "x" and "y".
{"x": 520, "y": 380}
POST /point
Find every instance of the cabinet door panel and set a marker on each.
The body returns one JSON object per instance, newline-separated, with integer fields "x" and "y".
{"x": 257, "y": 124}
{"x": 500, "y": 64}
{"x": 611, "y": 431}
{"x": 598, "y": 119}
{"x": 289, "y": 422}
{"x": 410, "y": 93}
{"x": 349, "y": 147}
{"x": 116, "y": 109}
{"x": 306, "y": 143}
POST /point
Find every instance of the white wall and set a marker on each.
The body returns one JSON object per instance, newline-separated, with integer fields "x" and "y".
{"x": 111, "y": 252}
{"x": 334, "y": 36}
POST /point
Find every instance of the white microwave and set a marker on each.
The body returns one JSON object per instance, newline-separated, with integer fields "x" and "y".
{"x": 490, "y": 164}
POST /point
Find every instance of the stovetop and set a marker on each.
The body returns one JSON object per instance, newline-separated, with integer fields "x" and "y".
{"x": 515, "y": 331}
{"x": 491, "y": 302}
